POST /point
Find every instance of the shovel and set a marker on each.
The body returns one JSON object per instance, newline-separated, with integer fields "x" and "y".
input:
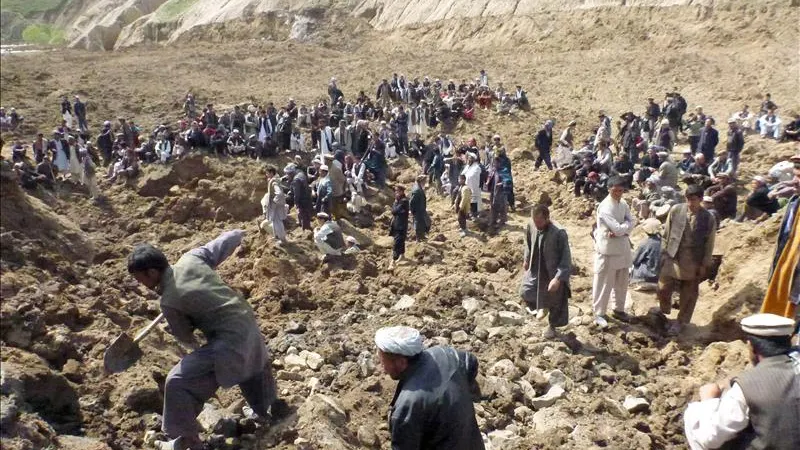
{"x": 124, "y": 351}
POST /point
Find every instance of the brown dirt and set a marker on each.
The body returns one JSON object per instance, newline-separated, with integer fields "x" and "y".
{"x": 66, "y": 293}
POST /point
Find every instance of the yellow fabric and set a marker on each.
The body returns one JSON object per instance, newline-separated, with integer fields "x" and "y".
{"x": 776, "y": 300}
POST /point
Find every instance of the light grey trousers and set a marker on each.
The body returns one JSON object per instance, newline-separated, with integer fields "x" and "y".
{"x": 192, "y": 382}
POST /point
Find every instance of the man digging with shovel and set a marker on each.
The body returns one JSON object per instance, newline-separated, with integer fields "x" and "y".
{"x": 194, "y": 297}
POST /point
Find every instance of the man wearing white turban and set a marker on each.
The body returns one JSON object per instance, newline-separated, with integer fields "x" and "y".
{"x": 432, "y": 406}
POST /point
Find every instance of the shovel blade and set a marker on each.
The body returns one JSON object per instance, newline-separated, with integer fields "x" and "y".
{"x": 121, "y": 354}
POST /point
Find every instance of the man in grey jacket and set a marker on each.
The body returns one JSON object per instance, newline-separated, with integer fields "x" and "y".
{"x": 686, "y": 255}
{"x": 194, "y": 297}
{"x": 547, "y": 265}
{"x": 432, "y": 406}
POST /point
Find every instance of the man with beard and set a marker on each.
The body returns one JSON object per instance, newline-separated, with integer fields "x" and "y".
{"x": 760, "y": 409}
{"x": 547, "y": 264}
{"x": 432, "y": 406}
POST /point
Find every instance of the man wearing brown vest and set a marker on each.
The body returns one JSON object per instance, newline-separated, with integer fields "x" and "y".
{"x": 761, "y": 409}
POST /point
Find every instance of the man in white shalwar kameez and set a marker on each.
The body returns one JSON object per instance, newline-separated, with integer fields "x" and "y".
{"x": 613, "y": 255}
{"x": 325, "y": 139}
{"x": 472, "y": 172}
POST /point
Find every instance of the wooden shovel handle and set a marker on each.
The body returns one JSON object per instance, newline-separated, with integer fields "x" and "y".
{"x": 146, "y": 330}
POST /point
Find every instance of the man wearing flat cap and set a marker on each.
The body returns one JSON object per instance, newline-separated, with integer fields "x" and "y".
{"x": 432, "y": 406}
{"x": 761, "y": 409}
{"x": 686, "y": 255}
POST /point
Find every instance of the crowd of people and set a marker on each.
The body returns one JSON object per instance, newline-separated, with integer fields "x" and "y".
{"x": 681, "y": 204}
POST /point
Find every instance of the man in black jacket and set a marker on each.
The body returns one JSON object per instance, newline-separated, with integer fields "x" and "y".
{"x": 543, "y": 143}
{"x": 398, "y": 229}
{"x": 432, "y": 406}
{"x": 300, "y": 193}
{"x": 418, "y": 205}
{"x": 80, "y": 112}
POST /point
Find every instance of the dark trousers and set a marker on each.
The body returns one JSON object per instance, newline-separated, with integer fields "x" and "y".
{"x": 633, "y": 154}
{"x": 304, "y": 217}
{"x": 82, "y": 123}
{"x": 544, "y": 156}
{"x": 473, "y": 209}
{"x": 402, "y": 144}
{"x": 510, "y": 198}
{"x": 462, "y": 220}
{"x": 693, "y": 142}
{"x": 399, "y": 248}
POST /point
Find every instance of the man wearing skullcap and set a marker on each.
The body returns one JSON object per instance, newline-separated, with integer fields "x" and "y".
{"x": 761, "y": 409}
{"x": 328, "y": 236}
{"x": 612, "y": 253}
{"x": 432, "y": 405}
{"x": 687, "y": 249}
{"x": 734, "y": 145}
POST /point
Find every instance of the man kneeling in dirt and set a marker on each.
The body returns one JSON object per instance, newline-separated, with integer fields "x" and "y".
{"x": 432, "y": 407}
{"x": 194, "y": 296}
{"x": 760, "y": 409}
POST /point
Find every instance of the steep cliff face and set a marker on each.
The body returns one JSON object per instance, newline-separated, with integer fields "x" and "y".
{"x": 114, "y": 24}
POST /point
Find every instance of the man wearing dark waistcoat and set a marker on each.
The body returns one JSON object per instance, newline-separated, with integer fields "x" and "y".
{"x": 761, "y": 409}
{"x": 432, "y": 406}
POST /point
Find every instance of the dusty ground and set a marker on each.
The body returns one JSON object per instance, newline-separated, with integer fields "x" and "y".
{"x": 66, "y": 294}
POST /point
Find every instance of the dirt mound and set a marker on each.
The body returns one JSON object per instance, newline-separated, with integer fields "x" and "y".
{"x": 66, "y": 292}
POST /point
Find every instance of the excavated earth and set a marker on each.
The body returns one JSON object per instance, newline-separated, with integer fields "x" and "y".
{"x": 66, "y": 294}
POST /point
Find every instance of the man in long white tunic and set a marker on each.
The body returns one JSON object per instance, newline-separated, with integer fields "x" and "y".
{"x": 473, "y": 174}
{"x": 612, "y": 252}
{"x": 325, "y": 138}
{"x": 274, "y": 205}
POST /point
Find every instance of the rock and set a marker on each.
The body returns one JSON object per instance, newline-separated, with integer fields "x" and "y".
{"x": 551, "y": 421}
{"x": 405, "y": 302}
{"x": 323, "y": 406}
{"x": 72, "y": 371}
{"x": 226, "y": 426}
{"x": 505, "y": 368}
{"x": 548, "y": 399}
{"x": 367, "y": 437}
{"x": 471, "y": 305}
{"x": 557, "y": 378}
{"x": 510, "y": 318}
{"x": 364, "y": 241}
{"x": 480, "y": 333}
{"x": 635, "y": 404}
{"x": 9, "y": 411}
{"x": 144, "y": 398}
{"x": 286, "y": 375}
{"x": 486, "y": 320}
{"x": 290, "y": 361}
{"x": 313, "y": 360}
{"x": 295, "y": 328}
{"x": 496, "y": 331}
{"x": 366, "y": 364}
{"x": 537, "y": 378}
{"x": 522, "y": 413}
{"x": 67, "y": 442}
{"x": 502, "y": 438}
{"x": 210, "y": 416}
{"x": 488, "y": 265}
{"x": 460, "y": 337}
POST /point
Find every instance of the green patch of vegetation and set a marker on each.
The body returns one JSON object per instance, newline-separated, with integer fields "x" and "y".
{"x": 172, "y": 9}
{"x": 26, "y": 8}
{"x": 43, "y": 34}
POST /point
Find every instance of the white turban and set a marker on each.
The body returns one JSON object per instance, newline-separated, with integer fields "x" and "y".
{"x": 400, "y": 340}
